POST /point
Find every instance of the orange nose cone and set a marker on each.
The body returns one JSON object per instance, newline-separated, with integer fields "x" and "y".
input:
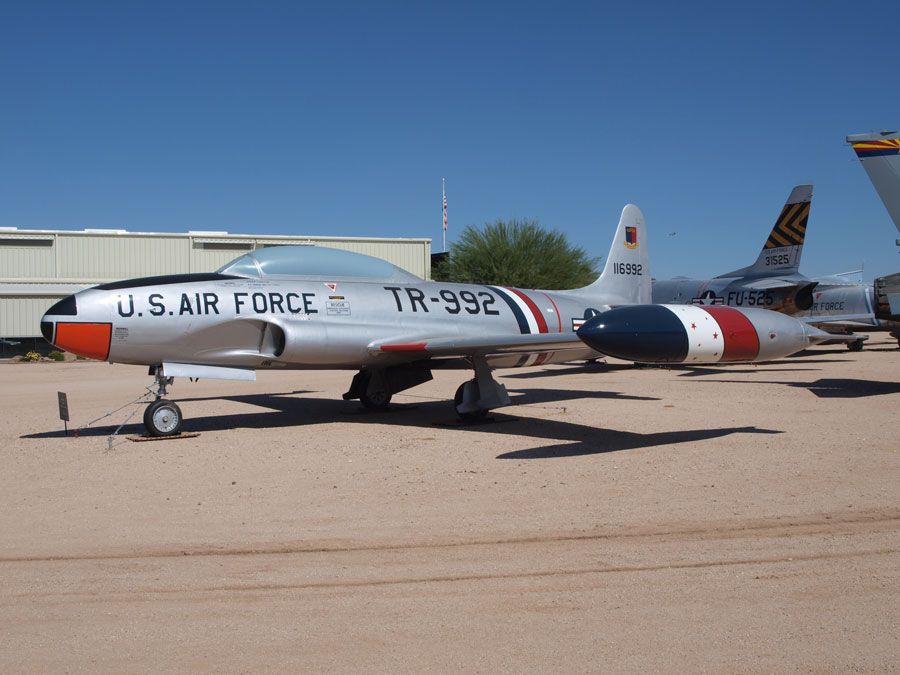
{"x": 90, "y": 340}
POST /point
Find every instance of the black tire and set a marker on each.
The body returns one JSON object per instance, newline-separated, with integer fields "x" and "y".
{"x": 377, "y": 400}
{"x": 473, "y": 416}
{"x": 855, "y": 346}
{"x": 163, "y": 418}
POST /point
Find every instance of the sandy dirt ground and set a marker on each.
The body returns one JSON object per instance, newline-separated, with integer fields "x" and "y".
{"x": 742, "y": 518}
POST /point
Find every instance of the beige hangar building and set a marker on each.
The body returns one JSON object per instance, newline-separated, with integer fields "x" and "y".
{"x": 38, "y": 267}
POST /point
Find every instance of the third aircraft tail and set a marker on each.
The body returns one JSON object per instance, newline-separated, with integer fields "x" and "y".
{"x": 880, "y": 157}
{"x": 782, "y": 250}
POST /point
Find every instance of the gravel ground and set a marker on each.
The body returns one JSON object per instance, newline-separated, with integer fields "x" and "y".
{"x": 740, "y": 518}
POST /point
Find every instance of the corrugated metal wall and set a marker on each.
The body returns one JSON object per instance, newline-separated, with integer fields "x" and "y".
{"x": 111, "y": 257}
{"x": 20, "y": 317}
{"x": 90, "y": 257}
{"x": 27, "y": 257}
{"x": 208, "y": 256}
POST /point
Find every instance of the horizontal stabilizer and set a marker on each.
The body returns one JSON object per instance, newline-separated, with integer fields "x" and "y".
{"x": 770, "y": 283}
{"x": 825, "y": 319}
{"x": 817, "y": 336}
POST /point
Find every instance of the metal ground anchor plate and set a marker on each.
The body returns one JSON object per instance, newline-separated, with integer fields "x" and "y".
{"x": 142, "y": 438}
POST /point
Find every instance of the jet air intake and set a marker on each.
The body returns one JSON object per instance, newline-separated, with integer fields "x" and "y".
{"x": 803, "y": 299}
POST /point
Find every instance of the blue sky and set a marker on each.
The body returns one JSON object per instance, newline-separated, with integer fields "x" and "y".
{"x": 341, "y": 118}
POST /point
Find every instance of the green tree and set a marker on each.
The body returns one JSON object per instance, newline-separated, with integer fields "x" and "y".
{"x": 518, "y": 253}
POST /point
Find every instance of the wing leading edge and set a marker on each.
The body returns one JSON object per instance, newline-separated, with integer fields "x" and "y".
{"x": 481, "y": 344}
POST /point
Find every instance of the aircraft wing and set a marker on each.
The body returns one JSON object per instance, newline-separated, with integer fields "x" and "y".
{"x": 772, "y": 283}
{"x": 862, "y": 320}
{"x": 478, "y": 344}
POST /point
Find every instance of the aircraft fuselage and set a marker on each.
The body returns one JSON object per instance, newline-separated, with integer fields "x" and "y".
{"x": 270, "y": 323}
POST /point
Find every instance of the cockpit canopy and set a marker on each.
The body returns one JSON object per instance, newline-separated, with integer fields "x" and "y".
{"x": 314, "y": 262}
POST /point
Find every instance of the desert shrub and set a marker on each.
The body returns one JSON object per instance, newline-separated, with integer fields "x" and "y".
{"x": 32, "y": 356}
{"x": 56, "y": 355}
{"x": 517, "y": 253}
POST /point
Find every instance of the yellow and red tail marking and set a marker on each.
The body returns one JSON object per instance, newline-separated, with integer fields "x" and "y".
{"x": 888, "y": 146}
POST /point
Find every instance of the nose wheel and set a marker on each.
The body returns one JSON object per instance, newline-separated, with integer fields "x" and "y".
{"x": 163, "y": 418}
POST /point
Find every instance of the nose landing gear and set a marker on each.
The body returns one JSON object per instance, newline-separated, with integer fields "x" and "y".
{"x": 162, "y": 417}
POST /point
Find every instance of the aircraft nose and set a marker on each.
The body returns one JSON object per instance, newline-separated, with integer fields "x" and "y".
{"x": 68, "y": 306}
{"x": 60, "y": 327}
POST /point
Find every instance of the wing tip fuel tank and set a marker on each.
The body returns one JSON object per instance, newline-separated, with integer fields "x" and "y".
{"x": 694, "y": 334}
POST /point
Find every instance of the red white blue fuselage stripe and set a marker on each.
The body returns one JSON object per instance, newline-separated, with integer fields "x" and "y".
{"x": 527, "y": 313}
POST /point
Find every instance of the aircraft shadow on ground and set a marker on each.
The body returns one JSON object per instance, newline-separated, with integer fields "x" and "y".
{"x": 834, "y": 387}
{"x": 608, "y": 440}
{"x": 528, "y": 396}
{"x": 807, "y": 360}
{"x": 567, "y": 439}
{"x": 584, "y": 369}
{"x": 700, "y": 371}
{"x": 819, "y": 351}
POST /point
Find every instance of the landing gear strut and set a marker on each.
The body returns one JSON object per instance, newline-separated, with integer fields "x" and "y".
{"x": 162, "y": 417}
{"x": 476, "y": 397}
{"x": 468, "y": 391}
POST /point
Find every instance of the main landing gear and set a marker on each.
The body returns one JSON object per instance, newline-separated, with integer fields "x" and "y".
{"x": 162, "y": 417}
{"x": 374, "y": 388}
{"x": 476, "y": 397}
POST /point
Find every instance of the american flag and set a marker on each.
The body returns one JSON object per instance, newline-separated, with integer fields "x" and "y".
{"x": 445, "y": 211}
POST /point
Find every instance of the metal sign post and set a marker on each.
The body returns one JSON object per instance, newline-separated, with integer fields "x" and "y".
{"x": 63, "y": 409}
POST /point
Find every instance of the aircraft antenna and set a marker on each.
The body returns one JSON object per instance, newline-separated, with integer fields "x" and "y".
{"x": 444, "y": 209}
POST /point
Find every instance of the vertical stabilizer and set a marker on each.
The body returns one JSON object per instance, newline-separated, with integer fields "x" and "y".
{"x": 784, "y": 246}
{"x": 626, "y": 276}
{"x": 880, "y": 157}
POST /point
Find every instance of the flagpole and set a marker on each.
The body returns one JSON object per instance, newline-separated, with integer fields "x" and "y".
{"x": 444, "y": 210}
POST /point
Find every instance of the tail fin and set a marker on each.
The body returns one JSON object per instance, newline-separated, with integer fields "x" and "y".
{"x": 626, "y": 276}
{"x": 782, "y": 250}
{"x": 880, "y": 157}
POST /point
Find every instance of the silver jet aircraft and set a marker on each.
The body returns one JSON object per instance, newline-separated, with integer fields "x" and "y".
{"x": 880, "y": 157}
{"x": 774, "y": 282}
{"x": 303, "y": 307}
{"x": 842, "y": 307}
